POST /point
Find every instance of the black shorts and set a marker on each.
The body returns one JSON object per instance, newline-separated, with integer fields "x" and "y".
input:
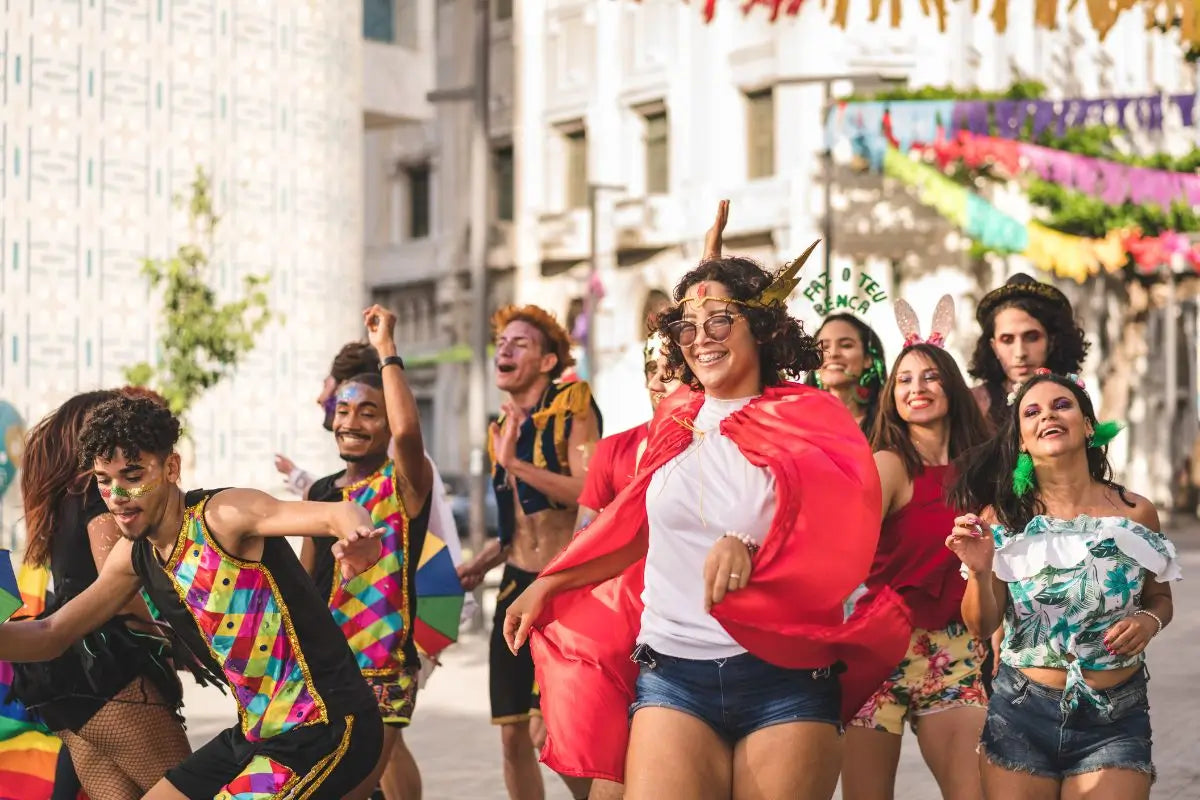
{"x": 511, "y": 683}
{"x": 319, "y": 762}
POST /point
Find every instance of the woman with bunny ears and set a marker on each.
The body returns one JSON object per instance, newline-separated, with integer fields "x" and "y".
{"x": 1076, "y": 569}
{"x": 926, "y": 418}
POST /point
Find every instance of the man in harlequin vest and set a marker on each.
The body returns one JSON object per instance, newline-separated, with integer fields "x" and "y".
{"x": 217, "y": 564}
{"x": 374, "y": 412}
{"x": 538, "y": 449}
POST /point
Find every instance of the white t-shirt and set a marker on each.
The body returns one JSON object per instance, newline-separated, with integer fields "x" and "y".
{"x": 692, "y": 500}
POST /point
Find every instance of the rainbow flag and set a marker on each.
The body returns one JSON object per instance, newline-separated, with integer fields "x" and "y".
{"x": 28, "y": 752}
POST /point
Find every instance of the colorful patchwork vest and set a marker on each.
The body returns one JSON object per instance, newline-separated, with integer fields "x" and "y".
{"x": 261, "y": 624}
{"x": 241, "y": 613}
{"x": 372, "y": 609}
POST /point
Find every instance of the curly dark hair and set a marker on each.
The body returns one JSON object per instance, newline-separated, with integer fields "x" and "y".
{"x": 872, "y": 345}
{"x": 134, "y": 425}
{"x": 353, "y": 359}
{"x": 967, "y": 428}
{"x": 985, "y": 472}
{"x": 1066, "y": 348}
{"x": 784, "y": 349}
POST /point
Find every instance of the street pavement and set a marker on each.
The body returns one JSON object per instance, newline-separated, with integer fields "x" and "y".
{"x": 458, "y": 750}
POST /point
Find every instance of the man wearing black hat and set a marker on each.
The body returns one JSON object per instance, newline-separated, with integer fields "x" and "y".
{"x": 1024, "y": 325}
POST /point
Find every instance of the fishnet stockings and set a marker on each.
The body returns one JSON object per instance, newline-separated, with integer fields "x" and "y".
{"x": 128, "y": 745}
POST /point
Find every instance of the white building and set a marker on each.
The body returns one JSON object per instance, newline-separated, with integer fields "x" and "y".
{"x": 108, "y": 108}
{"x": 665, "y": 115}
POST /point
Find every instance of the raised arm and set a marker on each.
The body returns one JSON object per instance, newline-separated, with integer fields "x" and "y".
{"x": 404, "y": 421}
{"x": 47, "y": 638}
{"x": 986, "y": 595}
{"x": 563, "y": 489}
{"x": 235, "y": 514}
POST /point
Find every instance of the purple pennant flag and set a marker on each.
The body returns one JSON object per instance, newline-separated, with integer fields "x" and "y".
{"x": 976, "y": 115}
{"x": 1043, "y": 116}
{"x": 1149, "y": 112}
{"x": 1009, "y": 115}
{"x": 1186, "y": 103}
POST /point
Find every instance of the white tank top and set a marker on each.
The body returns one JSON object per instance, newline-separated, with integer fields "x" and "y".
{"x": 692, "y": 500}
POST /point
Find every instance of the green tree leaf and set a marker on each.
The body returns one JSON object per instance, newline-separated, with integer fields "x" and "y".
{"x": 202, "y": 340}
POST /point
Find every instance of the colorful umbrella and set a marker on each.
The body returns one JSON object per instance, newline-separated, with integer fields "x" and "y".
{"x": 10, "y": 594}
{"x": 439, "y": 599}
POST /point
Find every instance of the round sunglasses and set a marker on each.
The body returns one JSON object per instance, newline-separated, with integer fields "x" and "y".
{"x": 717, "y": 327}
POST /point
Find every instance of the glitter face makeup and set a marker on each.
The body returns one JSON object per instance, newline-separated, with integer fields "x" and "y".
{"x": 132, "y": 493}
{"x": 351, "y": 393}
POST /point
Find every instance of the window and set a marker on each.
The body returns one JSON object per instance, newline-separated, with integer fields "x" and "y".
{"x": 503, "y": 9}
{"x": 418, "y": 201}
{"x": 379, "y": 20}
{"x": 502, "y": 176}
{"x": 760, "y": 134}
{"x": 658, "y": 154}
{"x": 576, "y": 163}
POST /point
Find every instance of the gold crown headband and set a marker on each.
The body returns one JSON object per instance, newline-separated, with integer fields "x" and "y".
{"x": 776, "y": 292}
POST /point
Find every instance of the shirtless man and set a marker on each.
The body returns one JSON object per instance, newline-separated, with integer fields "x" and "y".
{"x": 538, "y": 449}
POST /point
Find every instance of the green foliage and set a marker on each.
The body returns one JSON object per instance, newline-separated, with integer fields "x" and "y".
{"x": 1074, "y": 212}
{"x": 201, "y": 340}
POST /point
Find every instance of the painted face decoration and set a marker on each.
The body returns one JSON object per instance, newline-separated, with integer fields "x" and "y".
{"x": 132, "y": 493}
{"x": 351, "y": 393}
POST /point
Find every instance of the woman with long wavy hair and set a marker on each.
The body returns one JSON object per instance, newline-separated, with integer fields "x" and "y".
{"x": 927, "y": 418}
{"x": 1075, "y": 568}
{"x": 706, "y": 598}
{"x": 114, "y": 696}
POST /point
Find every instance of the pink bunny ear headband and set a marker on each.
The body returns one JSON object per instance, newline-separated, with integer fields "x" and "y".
{"x": 943, "y": 322}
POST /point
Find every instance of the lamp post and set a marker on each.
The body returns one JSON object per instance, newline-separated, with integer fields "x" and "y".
{"x": 477, "y": 419}
{"x": 859, "y": 80}
{"x": 589, "y": 297}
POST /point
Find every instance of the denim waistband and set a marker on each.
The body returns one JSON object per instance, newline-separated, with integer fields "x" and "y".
{"x": 1077, "y": 688}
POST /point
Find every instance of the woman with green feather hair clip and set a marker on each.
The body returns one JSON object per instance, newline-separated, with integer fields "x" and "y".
{"x": 1075, "y": 571}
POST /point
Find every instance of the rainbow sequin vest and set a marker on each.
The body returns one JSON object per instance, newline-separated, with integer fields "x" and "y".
{"x": 372, "y": 608}
{"x": 241, "y": 614}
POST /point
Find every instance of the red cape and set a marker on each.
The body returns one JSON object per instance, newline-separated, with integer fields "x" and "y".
{"x": 818, "y": 550}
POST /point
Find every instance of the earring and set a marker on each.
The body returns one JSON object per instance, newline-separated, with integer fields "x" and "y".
{"x": 1023, "y": 476}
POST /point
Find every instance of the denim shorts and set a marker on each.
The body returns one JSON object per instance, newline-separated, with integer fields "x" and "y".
{"x": 739, "y": 695}
{"x": 1028, "y": 731}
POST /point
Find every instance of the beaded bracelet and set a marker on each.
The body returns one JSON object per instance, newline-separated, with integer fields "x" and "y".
{"x": 1152, "y": 616}
{"x": 751, "y": 545}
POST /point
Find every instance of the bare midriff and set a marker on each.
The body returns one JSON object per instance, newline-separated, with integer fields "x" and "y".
{"x": 1095, "y": 678}
{"x": 539, "y": 537}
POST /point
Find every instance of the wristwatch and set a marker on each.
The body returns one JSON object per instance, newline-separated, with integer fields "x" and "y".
{"x": 387, "y": 362}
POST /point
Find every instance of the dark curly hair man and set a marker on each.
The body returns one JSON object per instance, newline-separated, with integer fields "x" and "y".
{"x": 218, "y": 567}
{"x": 1024, "y": 325}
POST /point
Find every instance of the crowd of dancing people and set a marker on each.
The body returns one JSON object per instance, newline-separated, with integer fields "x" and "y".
{"x": 748, "y": 597}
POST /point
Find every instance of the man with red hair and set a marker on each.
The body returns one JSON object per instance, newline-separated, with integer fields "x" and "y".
{"x": 538, "y": 448}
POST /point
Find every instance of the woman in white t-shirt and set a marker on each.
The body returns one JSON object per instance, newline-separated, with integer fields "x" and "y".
{"x": 756, "y": 509}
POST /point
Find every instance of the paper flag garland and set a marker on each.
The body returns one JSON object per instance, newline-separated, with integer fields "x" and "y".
{"x": 1062, "y": 254}
{"x": 912, "y": 122}
{"x": 10, "y": 594}
{"x": 1102, "y": 15}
